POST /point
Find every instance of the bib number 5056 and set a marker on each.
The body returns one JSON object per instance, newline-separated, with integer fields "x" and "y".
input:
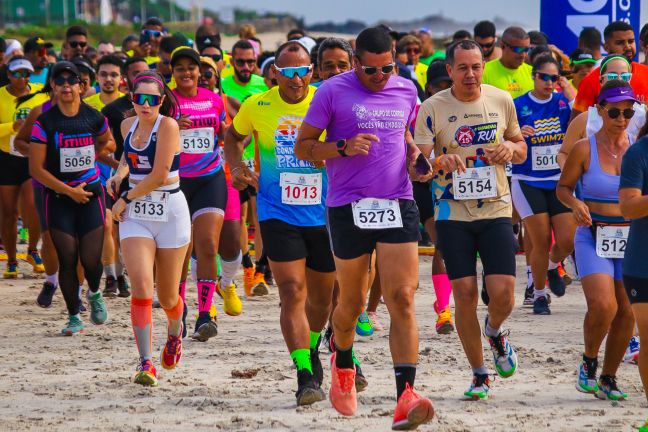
{"x": 77, "y": 159}
{"x": 373, "y": 213}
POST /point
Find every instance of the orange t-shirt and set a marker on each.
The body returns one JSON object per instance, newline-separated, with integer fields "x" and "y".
{"x": 590, "y": 87}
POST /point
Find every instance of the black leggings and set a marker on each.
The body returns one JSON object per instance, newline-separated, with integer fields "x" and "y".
{"x": 77, "y": 232}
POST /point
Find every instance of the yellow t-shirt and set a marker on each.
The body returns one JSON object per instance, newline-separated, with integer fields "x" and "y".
{"x": 95, "y": 101}
{"x": 421, "y": 73}
{"x": 515, "y": 81}
{"x": 466, "y": 128}
{"x": 9, "y": 113}
{"x": 228, "y": 70}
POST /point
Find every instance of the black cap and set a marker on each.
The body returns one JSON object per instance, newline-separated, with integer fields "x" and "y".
{"x": 35, "y": 43}
{"x": 204, "y": 41}
{"x": 187, "y": 52}
{"x": 64, "y": 66}
{"x": 437, "y": 72}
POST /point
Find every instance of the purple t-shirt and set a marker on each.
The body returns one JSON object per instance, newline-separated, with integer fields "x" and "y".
{"x": 345, "y": 108}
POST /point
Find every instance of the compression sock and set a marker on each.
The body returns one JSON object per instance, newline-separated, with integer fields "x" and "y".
{"x": 142, "y": 319}
{"x": 442, "y": 289}
{"x": 174, "y": 317}
{"x": 315, "y": 338}
{"x": 302, "y": 359}
{"x": 343, "y": 358}
{"x": 183, "y": 290}
{"x": 206, "y": 290}
{"x": 405, "y": 374}
{"x": 229, "y": 269}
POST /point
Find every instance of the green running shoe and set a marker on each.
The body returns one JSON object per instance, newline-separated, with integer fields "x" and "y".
{"x": 74, "y": 326}
{"x": 479, "y": 388}
{"x": 608, "y": 389}
{"x": 586, "y": 380}
{"x": 364, "y": 327}
{"x": 98, "y": 311}
{"x": 643, "y": 428}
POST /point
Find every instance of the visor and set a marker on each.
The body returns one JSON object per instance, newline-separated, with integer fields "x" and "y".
{"x": 617, "y": 94}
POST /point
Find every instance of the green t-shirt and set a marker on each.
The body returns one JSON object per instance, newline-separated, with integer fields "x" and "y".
{"x": 515, "y": 81}
{"x": 242, "y": 92}
{"x": 437, "y": 55}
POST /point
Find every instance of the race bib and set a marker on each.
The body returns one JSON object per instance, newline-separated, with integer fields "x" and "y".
{"x": 611, "y": 241}
{"x": 374, "y": 213}
{"x": 197, "y": 141}
{"x": 12, "y": 148}
{"x": 301, "y": 189}
{"x": 509, "y": 169}
{"x": 475, "y": 183}
{"x": 545, "y": 158}
{"x": 77, "y": 159}
{"x": 153, "y": 207}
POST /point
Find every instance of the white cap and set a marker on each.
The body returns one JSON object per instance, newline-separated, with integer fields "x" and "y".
{"x": 307, "y": 42}
{"x": 12, "y": 46}
{"x": 20, "y": 64}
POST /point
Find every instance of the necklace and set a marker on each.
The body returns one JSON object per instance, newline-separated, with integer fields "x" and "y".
{"x": 615, "y": 156}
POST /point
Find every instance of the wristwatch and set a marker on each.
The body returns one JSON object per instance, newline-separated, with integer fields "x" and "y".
{"x": 341, "y": 147}
{"x": 124, "y": 196}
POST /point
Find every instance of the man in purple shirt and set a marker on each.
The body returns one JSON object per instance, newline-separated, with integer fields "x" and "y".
{"x": 368, "y": 151}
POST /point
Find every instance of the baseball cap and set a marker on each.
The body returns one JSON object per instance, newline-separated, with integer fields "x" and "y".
{"x": 19, "y": 63}
{"x": 307, "y": 43}
{"x": 64, "y": 66}
{"x": 35, "y": 43}
{"x": 437, "y": 72}
{"x": 185, "y": 51}
{"x": 580, "y": 56}
{"x": 209, "y": 62}
{"x": 204, "y": 41}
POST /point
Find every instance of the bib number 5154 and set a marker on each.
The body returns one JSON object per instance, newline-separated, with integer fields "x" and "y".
{"x": 475, "y": 183}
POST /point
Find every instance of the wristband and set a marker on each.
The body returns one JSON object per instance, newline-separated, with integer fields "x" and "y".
{"x": 124, "y": 196}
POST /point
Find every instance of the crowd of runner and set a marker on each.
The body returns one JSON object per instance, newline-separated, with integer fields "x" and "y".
{"x": 157, "y": 159}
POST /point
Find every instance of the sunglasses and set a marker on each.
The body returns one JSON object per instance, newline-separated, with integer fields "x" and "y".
{"x": 625, "y": 76}
{"x": 104, "y": 74}
{"x": 71, "y": 80}
{"x": 519, "y": 49}
{"x": 242, "y": 62}
{"x": 372, "y": 70}
{"x": 153, "y": 33}
{"x": 208, "y": 74}
{"x": 215, "y": 57}
{"x": 21, "y": 74}
{"x": 290, "y": 72}
{"x": 487, "y": 46}
{"x": 75, "y": 44}
{"x": 547, "y": 77}
{"x": 142, "y": 98}
{"x": 613, "y": 113}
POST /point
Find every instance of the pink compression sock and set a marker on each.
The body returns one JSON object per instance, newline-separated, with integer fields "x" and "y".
{"x": 442, "y": 289}
{"x": 206, "y": 290}
{"x": 183, "y": 289}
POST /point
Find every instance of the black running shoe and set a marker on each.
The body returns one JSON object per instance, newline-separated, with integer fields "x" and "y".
{"x": 308, "y": 390}
{"x": 361, "y": 382}
{"x": 556, "y": 283}
{"x": 541, "y": 306}
{"x": 110, "y": 289}
{"x": 327, "y": 338}
{"x": 484, "y": 293}
{"x": 528, "y": 295}
{"x": 122, "y": 285}
{"x": 206, "y": 328}
{"x": 44, "y": 299}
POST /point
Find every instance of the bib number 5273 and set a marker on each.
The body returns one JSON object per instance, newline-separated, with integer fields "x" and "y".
{"x": 374, "y": 213}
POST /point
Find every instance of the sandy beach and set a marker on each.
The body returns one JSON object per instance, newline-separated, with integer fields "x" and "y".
{"x": 82, "y": 383}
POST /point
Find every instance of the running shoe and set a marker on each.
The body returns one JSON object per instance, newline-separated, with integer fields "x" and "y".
{"x": 146, "y": 374}
{"x": 609, "y": 390}
{"x": 541, "y": 306}
{"x": 122, "y": 285}
{"x": 260, "y": 287}
{"x": 643, "y": 428}
{"x": 484, "y": 294}
{"x": 185, "y": 311}
{"x": 267, "y": 275}
{"x": 343, "y": 390}
{"x": 231, "y": 302}
{"x": 564, "y": 275}
{"x": 206, "y": 328}
{"x": 12, "y": 270}
{"x": 478, "y": 388}
{"x": 528, "y": 295}
{"x": 35, "y": 260}
{"x": 504, "y": 356}
{"x": 46, "y": 295}
{"x": 556, "y": 282}
{"x": 411, "y": 410}
{"x": 632, "y": 352}
{"x": 364, "y": 326}
{"x": 361, "y": 382}
{"x": 248, "y": 280}
{"x": 74, "y": 326}
{"x": 586, "y": 380}
{"x": 82, "y": 307}
{"x": 98, "y": 311}
{"x": 316, "y": 365}
{"x": 110, "y": 287}
{"x": 308, "y": 389}
{"x": 373, "y": 317}
{"x": 444, "y": 324}
{"x": 327, "y": 338}
{"x": 172, "y": 352}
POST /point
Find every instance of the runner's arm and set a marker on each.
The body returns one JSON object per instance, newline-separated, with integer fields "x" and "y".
{"x": 633, "y": 204}
{"x": 571, "y": 174}
{"x": 575, "y": 131}
{"x": 37, "y": 153}
{"x": 21, "y": 141}
{"x": 242, "y": 176}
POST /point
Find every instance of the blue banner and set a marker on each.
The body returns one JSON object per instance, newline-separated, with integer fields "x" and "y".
{"x": 563, "y": 20}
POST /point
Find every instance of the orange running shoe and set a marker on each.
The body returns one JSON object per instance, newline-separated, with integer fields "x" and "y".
{"x": 343, "y": 393}
{"x": 563, "y": 274}
{"x": 412, "y": 410}
{"x": 172, "y": 352}
{"x": 248, "y": 280}
{"x": 260, "y": 287}
{"x": 444, "y": 323}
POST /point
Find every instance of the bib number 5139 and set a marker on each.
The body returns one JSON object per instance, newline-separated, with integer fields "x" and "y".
{"x": 197, "y": 141}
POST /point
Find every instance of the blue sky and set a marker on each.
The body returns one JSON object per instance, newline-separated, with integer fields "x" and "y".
{"x": 526, "y": 12}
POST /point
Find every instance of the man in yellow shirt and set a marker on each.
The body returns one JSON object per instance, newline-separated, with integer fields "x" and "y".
{"x": 510, "y": 72}
{"x": 108, "y": 76}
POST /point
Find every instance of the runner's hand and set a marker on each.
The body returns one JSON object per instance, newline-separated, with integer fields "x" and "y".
{"x": 318, "y": 164}
{"x": 118, "y": 209}
{"x": 79, "y": 194}
{"x": 112, "y": 184}
{"x": 527, "y": 131}
{"x": 243, "y": 177}
{"x": 500, "y": 154}
{"x": 581, "y": 214}
{"x": 451, "y": 163}
{"x": 360, "y": 144}
{"x": 184, "y": 122}
{"x": 414, "y": 175}
{"x": 18, "y": 124}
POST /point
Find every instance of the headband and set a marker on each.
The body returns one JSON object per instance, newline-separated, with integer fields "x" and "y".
{"x": 150, "y": 77}
{"x": 614, "y": 57}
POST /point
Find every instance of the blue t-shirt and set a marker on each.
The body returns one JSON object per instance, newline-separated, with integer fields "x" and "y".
{"x": 549, "y": 118}
{"x": 40, "y": 78}
{"x": 634, "y": 175}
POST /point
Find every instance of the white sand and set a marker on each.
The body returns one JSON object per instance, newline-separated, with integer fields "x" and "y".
{"x": 49, "y": 382}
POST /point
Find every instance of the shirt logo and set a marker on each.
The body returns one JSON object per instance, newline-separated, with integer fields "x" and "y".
{"x": 139, "y": 161}
{"x": 485, "y": 133}
{"x": 547, "y": 126}
{"x": 263, "y": 103}
{"x": 360, "y": 111}
{"x": 525, "y": 111}
{"x": 467, "y": 116}
{"x": 285, "y": 136}
{"x": 452, "y": 119}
